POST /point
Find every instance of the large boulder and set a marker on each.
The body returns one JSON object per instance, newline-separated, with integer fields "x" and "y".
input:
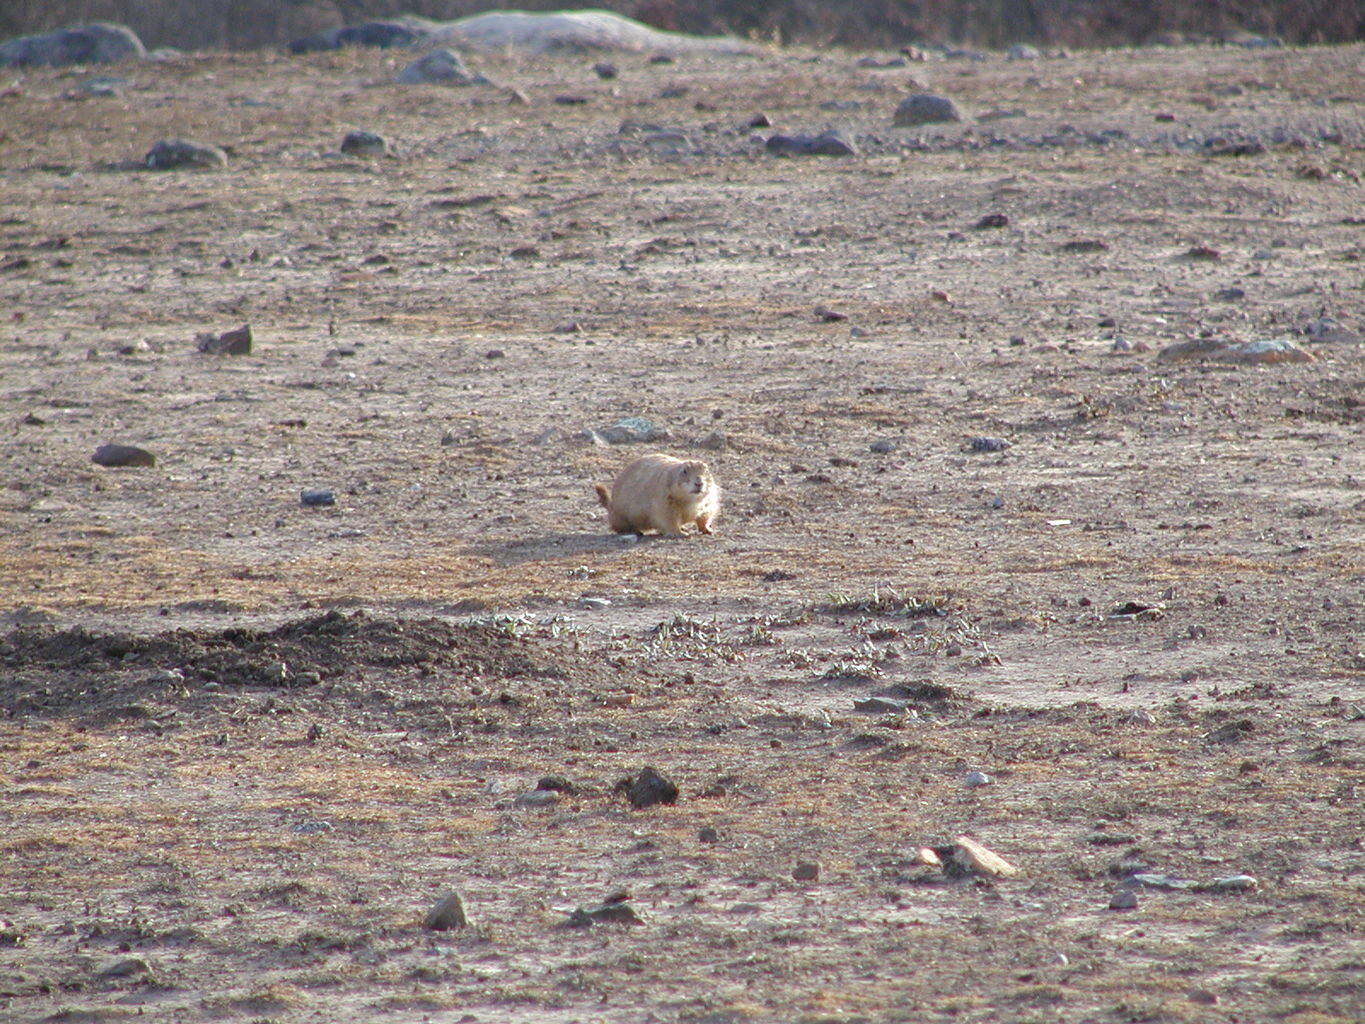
{"x": 572, "y": 31}
{"x": 96, "y": 43}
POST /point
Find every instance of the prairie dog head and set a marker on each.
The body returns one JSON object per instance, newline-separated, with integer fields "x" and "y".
{"x": 692, "y": 478}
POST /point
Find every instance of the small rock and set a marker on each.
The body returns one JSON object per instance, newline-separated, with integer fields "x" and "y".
{"x": 1234, "y": 883}
{"x": 612, "y": 912}
{"x": 1230, "y": 295}
{"x": 648, "y": 788}
{"x": 830, "y": 143}
{"x": 881, "y": 706}
{"x": 759, "y": 121}
{"x": 567, "y": 100}
{"x": 970, "y": 857}
{"x": 312, "y": 828}
{"x": 1084, "y": 245}
{"x": 229, "y": 343}
{"x": 925, "y": 108}
{"x": 1148, "y": 880}
{"x": 1140, "y": 716}
{"x": 1202, "y": 996}
{"x": 926, "y": 857}
{"x": 976, "y": 779}
{"x": 882, "y": 447}
{"x": 364, "y": 144}
{"x": 709, "y": 835}
{"x": 447, "y": 914}
{"x": 1136, "y": 611}
{"x": 714, "y": 441}
{"x": 829, "y": 316}
{"x": 172, "y": 154}
{"x": 1022, "y": 51}
{"x": 992, "y": 220}
{"x": 605, "y": 71}
{"x": 537, "y": 799}
{"x": 133, "y": 965}
{"x": 1232, "y": 732}
{"x": 122, "y": 455}
{"x": 631, "y": 430}
{"x": 396, "y": 32}
{"x": 1124, "y": 899}
{"x": 806, "y": 871}
{"x": 440, "y": 67}
{"x": 1328, "y": 330}
{"x": 315, "y": 732}
{"x": 318, "y": 498}
{"x": 989, "y": 444}
{"x": 594, "y": 604}
{"x": 1203, "y": 252}
{"x": 556, "y": 784}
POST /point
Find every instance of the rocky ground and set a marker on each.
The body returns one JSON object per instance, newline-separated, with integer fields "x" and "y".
{"x": 996, "y": 560}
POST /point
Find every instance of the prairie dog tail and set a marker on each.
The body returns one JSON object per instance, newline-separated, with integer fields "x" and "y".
{"x": 603, "y": 495}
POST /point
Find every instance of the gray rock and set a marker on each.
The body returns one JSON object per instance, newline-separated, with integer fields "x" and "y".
{"x": 611, "y": 912}
{"x": 96, "y": 43}
{"x": 604, "y": 70}
{"x": 830, "y": 143}
{"x": 989, "y": 444}
{"x": 881, "y": 706}
{"x": 440, "y": 67}
{"x": 1124, "y": 899}
{"x": 1168, "y": 882}
{"x": 1325, "y": 330}
{"x": 229, "y": 343}
{"x": 973, "y": 780}
{"x": 447, "y": 914}
{"x": 172, "y": 154}
{"x": 925, "y": 108}
{"x": 408, "y": 31}
{"x": 537, "y": 799}
{"x": 1022, "y": 51}
{"x": 318, "y": 498}
{"x": 807, "y": 871}
{"x": 882, "y": 447}
{"x": 127, "y": 968}
{"x": 1234, "y": 883}
{"x": 629, "y": 430}
{"x": 111, "y": 455}
{"x": 364, "y": 144}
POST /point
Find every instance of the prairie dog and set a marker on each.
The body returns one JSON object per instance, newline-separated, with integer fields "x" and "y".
{"x": 661, "y": 493}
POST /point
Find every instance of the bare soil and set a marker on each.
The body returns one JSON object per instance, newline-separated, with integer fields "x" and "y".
{"x": 249, "y": 743}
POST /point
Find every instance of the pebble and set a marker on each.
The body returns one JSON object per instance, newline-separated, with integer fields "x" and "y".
{"x": 992, "y": 220}
{"x": 111, "y": 455}
{"x": 709, "y": 835}
{"x": 312, "y": 828}
{"x": 556, "y": 784}
{"x": 605, "y": 70}
{"x": 1168, "y": 882}
{"x": 807, "y": 871}
{"x": 882, "y": 447}
{"x": 989, "y": 444}
{"x": 925, "y": 108}
{"x": 830, "y": 143}
{"x": 364, "y": 144}
{"x": 318, "y": 498}
{"x": 975, "y": 779}
{"x": 173, "y": 154}
{"x": 1140, "y": 716}
{"x": 447, "y": 914}
{"x": 648, "y": 788}
{"x": 1022, "y": 51}
{"x": 594, "y": 604}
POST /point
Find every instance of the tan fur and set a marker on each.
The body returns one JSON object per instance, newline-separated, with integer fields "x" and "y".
{"x": 658, "y": 493}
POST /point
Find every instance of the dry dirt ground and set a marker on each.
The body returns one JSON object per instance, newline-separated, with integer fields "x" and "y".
{"x": 248, "y": 744}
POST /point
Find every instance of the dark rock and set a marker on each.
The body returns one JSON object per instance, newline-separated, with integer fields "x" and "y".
{"x": 447, "y": 914}
{"x": 1124, "y": 899}
{"x": 557, "y": 784}
{"x": 229, "y": 343}
{"x": 96, "y": 43}
{"x": 988, "y": 444}
{"x": 568, "y": 100}
{"x": 396, "y": 32}
{"x": 318, "y": 498}
{"x": 605, "y": 71}
{"x": 172, "y": 154}
{"x": 709, "y": 835}
{"x": 759, "y": 121}
{"x": 992, "y": 220}
{"x": 1022, "y": 51}
{"x": 122, "y": 455}
{"x": 364, "y": 144}
{"x": 807, "y": 871}
{"x": 925, "y": 108}
{"x": 440, "y": 67}
{"x": 128, "y": 968}
{"x": 881, "y": 706}
{"x": 830, "y": 143}
{"x": 647, "y": 788}
{"x": 604, "y": 913}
